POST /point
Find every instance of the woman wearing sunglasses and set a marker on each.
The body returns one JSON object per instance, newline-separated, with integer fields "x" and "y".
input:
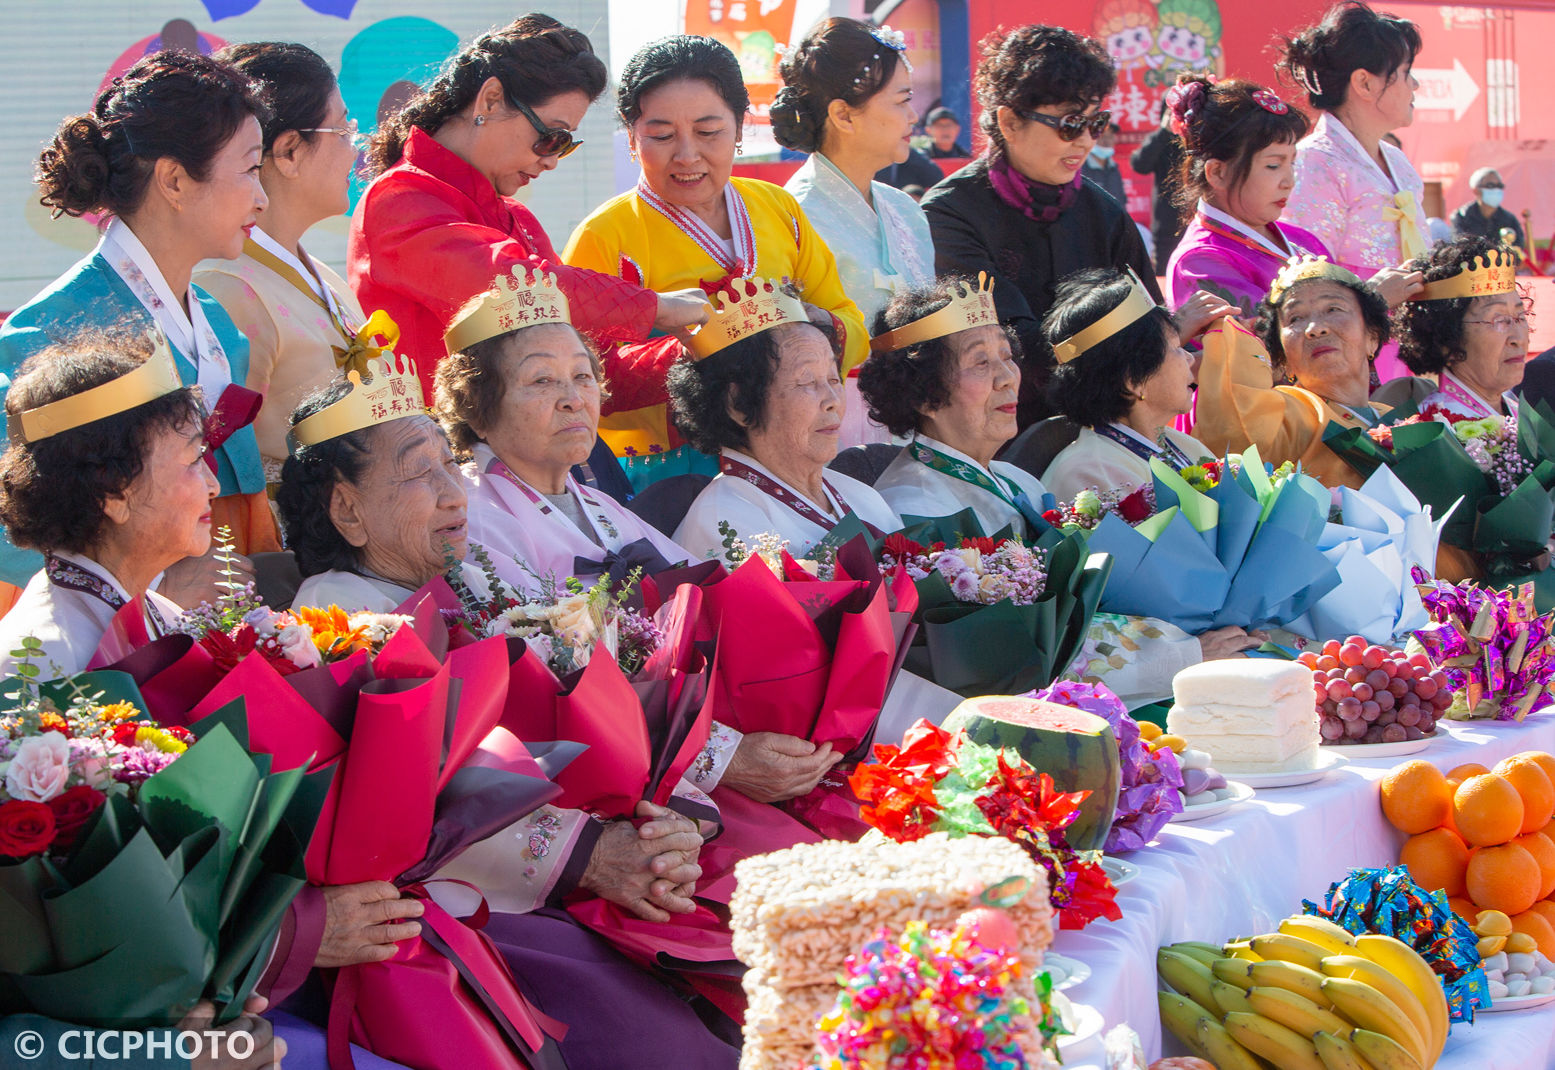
{"x": 300, "y": 317}
{"x": 1022, "y": 212}
{"x": 440, "y": 218}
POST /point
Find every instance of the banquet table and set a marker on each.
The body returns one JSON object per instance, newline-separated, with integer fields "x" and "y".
{"x": 1238, "y": 873}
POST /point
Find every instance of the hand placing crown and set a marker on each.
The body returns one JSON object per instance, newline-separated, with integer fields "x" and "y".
{"x": 1494, "y": 272}
{"x": 390, "y": 391}
{"x": 743, "y": 308}
{"x": 522, "y": 298}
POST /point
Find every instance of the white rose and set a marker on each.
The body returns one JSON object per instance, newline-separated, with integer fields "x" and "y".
{"x": 575, "y": 620}
{"x": 296, "y": 642}
{"x": 40, "y": 768}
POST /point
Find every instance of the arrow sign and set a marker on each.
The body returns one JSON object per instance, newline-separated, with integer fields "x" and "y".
{"x": 1446, "y": 90}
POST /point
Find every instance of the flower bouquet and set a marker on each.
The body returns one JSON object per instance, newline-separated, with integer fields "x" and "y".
{"x": 1239, "y": 553}
{"x": 139, "y": 871}
{"x": 1503, "y": 471}
{"x": 939, "y": 782}
{"x": 1148, "y": 794}
{"x": 1130, "y": 504}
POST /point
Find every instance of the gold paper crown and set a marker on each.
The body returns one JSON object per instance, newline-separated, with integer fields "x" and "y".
{"x": 1306, "y": 268}
{"x": 971, "y": 307}
{"x": 742, "y": 308}
{"x": 154, "y": 377}
{"x": 1137, "y": 305}
{"x": 1494, "y": 272}
{"x": 521, "y": 299}
{"x": 391, "y": 391}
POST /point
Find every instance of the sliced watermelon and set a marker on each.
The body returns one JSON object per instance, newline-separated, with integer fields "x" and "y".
{"x": 1077, "y": 749}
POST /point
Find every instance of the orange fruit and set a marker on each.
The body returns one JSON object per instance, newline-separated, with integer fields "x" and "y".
{"x": 1538, "y": 926}
{"x": 1546, "y": 910}
{"x": 1487, "y": 810}
{"x": 1468, "y": 769}
{"x": 1436, "y": 861}
{"x": 1466, "y": 909}
{"x": 1545, "y": 761}
{"x": 1415, "y": 797}
{"x": 1543, "y": 850}
{"x": 1504, "y": 878}
{"x": 1527, "y": 776}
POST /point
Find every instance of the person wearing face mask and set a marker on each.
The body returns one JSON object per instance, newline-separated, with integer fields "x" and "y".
{"x": 847, "y": 101}
{"x": 1237, "y": 176}
{"x": 1355, "y": 190}
{"x": 1022, "y": 211}
{"x": 1484, "y": 217}
{"x": 1100, "y": 167}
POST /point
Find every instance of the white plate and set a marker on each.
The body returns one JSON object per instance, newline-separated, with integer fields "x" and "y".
{"x": 1084, "y": 1022}
{"x": 1119, "y": 871}
{"x": 1065, "y": 971}
{"x": 1380, "y": 750}
{"x": 1518, "y": 1003}
{"x": 1327, "y": 762}
{"x": 1239, "y": 793}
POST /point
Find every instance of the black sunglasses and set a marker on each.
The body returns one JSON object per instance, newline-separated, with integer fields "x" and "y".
{"x": 1071, "y": 126}
{"x": 553, "y": 140}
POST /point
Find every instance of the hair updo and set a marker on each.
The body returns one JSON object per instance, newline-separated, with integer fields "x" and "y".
{"x": 170, "y": 104}
{"x": 296, "y": 82}
{"x": 677, "y": 59}
{"x": 840, "y": 59}
{"x": 1035, "y": 66}
{"x": 1351, "y": 37}
{"x": 1231, "y": 121}
{"x": 536, "y": 59}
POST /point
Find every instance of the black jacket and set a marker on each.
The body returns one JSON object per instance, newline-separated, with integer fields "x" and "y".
{"x": 976, "y": 231}
{"x": 1469, "y": 220}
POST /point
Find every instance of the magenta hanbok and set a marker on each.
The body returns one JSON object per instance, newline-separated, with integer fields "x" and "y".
{"x": 1225, "y": 256}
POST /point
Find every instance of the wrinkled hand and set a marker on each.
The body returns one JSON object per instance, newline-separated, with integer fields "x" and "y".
{"x": 1229, "y": 642}
{"x": 193, "y": 580}
{"x": 681, "y": 308}
{"x": 1198, "y": 312}
{"x": 217, "y": 1053}
{"x": 1396, "y": 285}
{"x": 770, "y": 766}
{"x": 363, "y": 922}
{"x": 649, "y": 871}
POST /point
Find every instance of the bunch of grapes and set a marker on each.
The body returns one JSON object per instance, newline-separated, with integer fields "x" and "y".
{"x": 1370, "y": 694}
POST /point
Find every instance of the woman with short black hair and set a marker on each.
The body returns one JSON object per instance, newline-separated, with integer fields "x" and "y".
{"x": 1023, "y": 212}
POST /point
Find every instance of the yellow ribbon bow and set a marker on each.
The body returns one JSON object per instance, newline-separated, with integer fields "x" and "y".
{"x": 1406, "y": 213}
{"x": 354, "y": 358}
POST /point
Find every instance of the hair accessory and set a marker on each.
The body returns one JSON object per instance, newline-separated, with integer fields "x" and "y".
{"x": 153, "y": 378}
{"x": 1137, "y": 305}
{"x": 1270, "y": 102}
{"x": 895, "y": 40}
{"x": 744, "y": 307}
{"x": 1184, "y": 100}
{"x": 1309, "y": 81}
{"x": 1305, "y": 269}
{"x": 972, "y": 306}
{"x": 1494, "y": 272}
{"x": 391, "y": 392}
{"x": 522, "y": 298}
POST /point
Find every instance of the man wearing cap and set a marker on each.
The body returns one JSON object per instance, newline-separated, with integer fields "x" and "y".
{"x": 943, "y": 129}
{"x": 1484, "y": 217}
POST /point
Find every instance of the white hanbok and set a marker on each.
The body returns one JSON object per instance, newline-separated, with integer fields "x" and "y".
{"x": 529, "y": 539}
{"x": 1099, "y": 463}
{"x": 750, "y": 510}
{"x": 67, "y": 607}
{"x": 913, "y": 487}
{"x": 356, "y": 592}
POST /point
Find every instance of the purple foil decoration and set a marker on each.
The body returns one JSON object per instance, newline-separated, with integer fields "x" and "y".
{"x": 1148, "y": 795}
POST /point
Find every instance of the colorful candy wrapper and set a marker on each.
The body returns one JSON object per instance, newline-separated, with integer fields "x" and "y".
{"x": 1387, "y": 901}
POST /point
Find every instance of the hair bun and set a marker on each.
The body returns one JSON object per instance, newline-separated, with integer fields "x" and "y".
{"x": 1185, "y": 101}
{"x": 793, "y": 122}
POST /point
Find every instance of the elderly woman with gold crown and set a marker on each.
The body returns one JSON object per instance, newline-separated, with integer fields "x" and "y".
{"x": 105, "y": 475}
{"x": 945, "y": 373}
{"x": 762, "y": 390}
{"x": 1469, "y": 328}
{"x": 519, "y": 397}
{"x": 1321, "y": 328}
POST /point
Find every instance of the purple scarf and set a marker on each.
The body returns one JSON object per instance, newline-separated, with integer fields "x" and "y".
{"x": 1037, "y": 201}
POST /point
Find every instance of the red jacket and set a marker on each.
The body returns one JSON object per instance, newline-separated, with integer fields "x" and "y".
{"x": 431, "y": 232}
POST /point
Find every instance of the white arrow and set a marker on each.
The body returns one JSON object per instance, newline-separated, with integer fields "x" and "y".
{"x": 1446, "y": 90}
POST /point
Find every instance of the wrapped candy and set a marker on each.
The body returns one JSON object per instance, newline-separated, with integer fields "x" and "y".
{"x": 1498, "y": 653}
{"x": 1387, "y": 901}
{"x": 1149, "y": 792}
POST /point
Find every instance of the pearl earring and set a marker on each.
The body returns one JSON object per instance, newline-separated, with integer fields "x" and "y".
{"x": 480, "y": 120}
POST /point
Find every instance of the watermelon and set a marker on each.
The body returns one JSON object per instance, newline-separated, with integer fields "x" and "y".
{"x": 1077, "y": 749}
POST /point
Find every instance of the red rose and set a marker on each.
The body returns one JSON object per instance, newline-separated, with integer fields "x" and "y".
{"x": 124, "y": 732}
{"x": 1135, "y": 507}
{"x": 71, "y": 810}
{"x": 26, "y": 828}
{"x": 1053, "y": 516}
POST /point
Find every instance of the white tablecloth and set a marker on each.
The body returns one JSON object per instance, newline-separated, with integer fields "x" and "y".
{"x": 1239, "y": 873}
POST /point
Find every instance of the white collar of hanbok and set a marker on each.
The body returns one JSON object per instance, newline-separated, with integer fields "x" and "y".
{"x": 307, "y": 270}
{"x": 1508, "y": 399}
{"x": 830, "y": 504}
{"x": 1337, "y": 132}
{"x": 1225, "y": 219}
{"x": 98, "y": 570}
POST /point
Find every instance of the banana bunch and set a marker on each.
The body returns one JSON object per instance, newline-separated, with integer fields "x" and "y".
{"x": 1308, "y": 997}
